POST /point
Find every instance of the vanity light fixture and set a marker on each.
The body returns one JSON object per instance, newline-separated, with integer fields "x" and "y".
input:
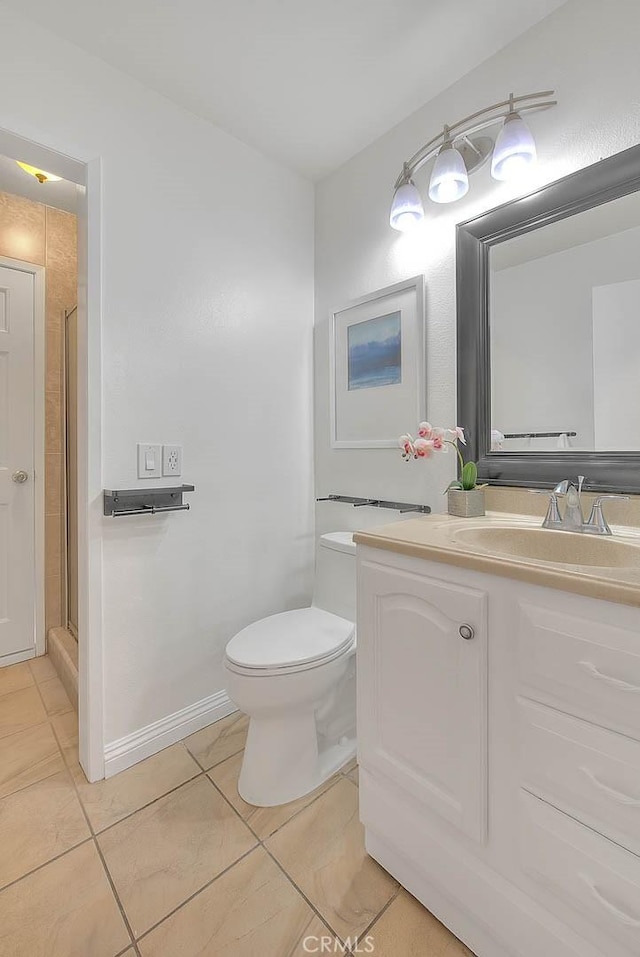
{"x": 460, "y": 150}
{"x": 40, "y": 174}
{"x": 449, "y": 179}
{"x": 515, "y": 149}
{"x": 406, "y": 209}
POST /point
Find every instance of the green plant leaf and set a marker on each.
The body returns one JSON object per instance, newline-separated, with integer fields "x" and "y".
{"x": 469, "y": 476}
{"x": 454, "y": 484}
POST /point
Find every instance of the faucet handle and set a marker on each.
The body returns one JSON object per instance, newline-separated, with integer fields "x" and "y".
{"x": 596, "y": 520}
{"x": 553, "y": 518}
{"x": 600, "y": 499}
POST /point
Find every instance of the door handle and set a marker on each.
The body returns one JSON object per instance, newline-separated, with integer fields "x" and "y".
{"x": 20, "y": 477}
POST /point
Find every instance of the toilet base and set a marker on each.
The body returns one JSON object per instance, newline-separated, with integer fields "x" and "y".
{"x": 282, "y": 762}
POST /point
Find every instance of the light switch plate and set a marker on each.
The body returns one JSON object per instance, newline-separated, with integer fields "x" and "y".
{"x": 149, "y": 460}
{"x": 172, "y": 460}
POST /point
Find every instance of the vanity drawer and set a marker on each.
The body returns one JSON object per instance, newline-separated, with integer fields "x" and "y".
{"x": 581, "y": 876}
{"x": 592, "y": 774}
{"x": 581, "y": 665}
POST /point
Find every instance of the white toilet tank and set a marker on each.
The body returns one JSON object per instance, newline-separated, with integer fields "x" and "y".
{"x": 335, "y": 581}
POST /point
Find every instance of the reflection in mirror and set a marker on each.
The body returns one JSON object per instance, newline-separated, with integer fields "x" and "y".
{"x": 564, "y": 321}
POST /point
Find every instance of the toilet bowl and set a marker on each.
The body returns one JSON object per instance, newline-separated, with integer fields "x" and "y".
{"x": 293, "y": 674}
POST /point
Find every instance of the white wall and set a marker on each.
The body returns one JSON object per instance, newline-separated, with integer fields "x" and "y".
{"x": 616, "y": 365}
{"x": 542, "y": 342}
{"x": 207, "y": 341}
{"x": 587, "y": 52}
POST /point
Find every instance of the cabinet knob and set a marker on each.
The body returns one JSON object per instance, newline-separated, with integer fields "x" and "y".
{"x": 466, "y": 632}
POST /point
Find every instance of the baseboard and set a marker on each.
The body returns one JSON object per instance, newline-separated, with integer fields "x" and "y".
{"x": 17, "y": 657}
{"x": 127, "y": 751}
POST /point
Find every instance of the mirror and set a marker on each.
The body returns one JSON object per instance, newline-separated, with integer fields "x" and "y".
{"x": 548, "y": 299}
{"x": 564, "y": 320}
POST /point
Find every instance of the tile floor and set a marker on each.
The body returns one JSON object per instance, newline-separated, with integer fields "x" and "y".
{"x": 167, "y": 860}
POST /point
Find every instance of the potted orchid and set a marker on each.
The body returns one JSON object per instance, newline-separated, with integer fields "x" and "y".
{"x": 465, "y": 496}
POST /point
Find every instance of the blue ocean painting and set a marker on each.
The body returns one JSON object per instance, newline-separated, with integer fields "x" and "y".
{"x": 375, "y": 352}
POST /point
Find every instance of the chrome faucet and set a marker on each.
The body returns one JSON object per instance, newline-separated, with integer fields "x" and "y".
{"x": 573, "y": 518}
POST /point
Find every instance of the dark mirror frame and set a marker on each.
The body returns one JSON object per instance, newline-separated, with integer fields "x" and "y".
{"x": 601, "y": 183}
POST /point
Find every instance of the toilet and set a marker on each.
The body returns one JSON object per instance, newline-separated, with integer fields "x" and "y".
{"x": 293, "y": 674}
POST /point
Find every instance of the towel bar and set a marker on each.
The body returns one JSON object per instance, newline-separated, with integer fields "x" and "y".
{"x": 376, "y": 503}
{"x": 145, "y": 501}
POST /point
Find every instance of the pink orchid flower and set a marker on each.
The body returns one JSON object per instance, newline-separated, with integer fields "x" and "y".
{"x": 406, "y": 444}
{"x": 424, "y": 430}
{"x": 423, "y": 447}
{"x": 458, "y": 435}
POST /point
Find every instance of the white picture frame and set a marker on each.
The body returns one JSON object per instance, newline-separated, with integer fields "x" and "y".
{"x": 378, "y": 369}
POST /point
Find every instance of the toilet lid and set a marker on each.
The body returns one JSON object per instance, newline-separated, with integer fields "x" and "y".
{"x": 291, "y": 639}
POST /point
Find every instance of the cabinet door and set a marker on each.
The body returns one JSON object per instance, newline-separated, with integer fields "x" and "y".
{"x": 422, "y": 690}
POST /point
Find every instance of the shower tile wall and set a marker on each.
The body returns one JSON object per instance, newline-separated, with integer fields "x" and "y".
{"x": 35, "y": 233}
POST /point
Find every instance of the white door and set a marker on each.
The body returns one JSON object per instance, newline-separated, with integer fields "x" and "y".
{"x": 17, "y": 429}
{"x": 422, "y": 690}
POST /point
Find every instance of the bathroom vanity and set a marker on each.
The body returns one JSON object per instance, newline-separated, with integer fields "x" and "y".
{"x": 499, "y": 729}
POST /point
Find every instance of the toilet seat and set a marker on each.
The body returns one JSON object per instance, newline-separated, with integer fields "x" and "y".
{"x": 290, "y": 642}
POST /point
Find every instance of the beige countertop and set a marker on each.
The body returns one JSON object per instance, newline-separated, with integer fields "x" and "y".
{"x": 443, "y": 538}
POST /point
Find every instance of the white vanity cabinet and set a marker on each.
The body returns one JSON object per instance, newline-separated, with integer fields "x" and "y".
{"x": 499, "y": 749}
{"x": 423, "y": 690}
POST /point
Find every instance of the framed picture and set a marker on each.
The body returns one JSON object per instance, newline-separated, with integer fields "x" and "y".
{"x": 377, "y": 366}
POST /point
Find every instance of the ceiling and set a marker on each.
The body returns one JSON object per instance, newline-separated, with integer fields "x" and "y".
{"x": 310, "y": 84}
{"x": 61, "y": 194}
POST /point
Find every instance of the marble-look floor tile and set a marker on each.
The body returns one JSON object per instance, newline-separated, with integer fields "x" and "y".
{"x": 27, "y": 757}
{"x": 42, "y": 668}
{"x": 322, "y": 848}
{"x": 20, "y": 710}
{"x": 66, "y": 730}
{"x": 166, "y": 852}
{"x": 65, "y": 909}
{"x": 107, "y": 802}
{"x": 37, "y": 824}
{"x": 55, "y": 698}
{"x": 251, "y": 910}
{"x": 15, "y": 678}
{"x": 262, "y": 820}
{"x": 408, "y": 928}
{"x": 219, "y": 741}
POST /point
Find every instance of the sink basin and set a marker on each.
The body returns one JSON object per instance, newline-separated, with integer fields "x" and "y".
{"x": 546, "y": 545}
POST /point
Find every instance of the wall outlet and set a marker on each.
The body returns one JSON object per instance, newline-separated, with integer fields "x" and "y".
{"x": 172, "y": 460}
{"x": 149, "y": 461}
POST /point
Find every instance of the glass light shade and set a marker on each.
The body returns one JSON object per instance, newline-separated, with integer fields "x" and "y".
{"x": 406, "y": 209}
{"x": 449, "y": 179}
{"x": 515, "y": 149}
{"x": 41, "y": 175}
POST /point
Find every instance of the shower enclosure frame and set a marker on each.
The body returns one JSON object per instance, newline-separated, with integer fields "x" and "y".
{"x": 71, "y": 469}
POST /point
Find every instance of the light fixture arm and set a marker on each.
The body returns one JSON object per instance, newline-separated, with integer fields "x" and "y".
{"x": 480, "y": 120}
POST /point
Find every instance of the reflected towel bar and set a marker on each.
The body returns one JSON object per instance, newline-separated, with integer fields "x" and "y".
{"x": 538, "y": 435}
{"x": 376, "y": 503}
